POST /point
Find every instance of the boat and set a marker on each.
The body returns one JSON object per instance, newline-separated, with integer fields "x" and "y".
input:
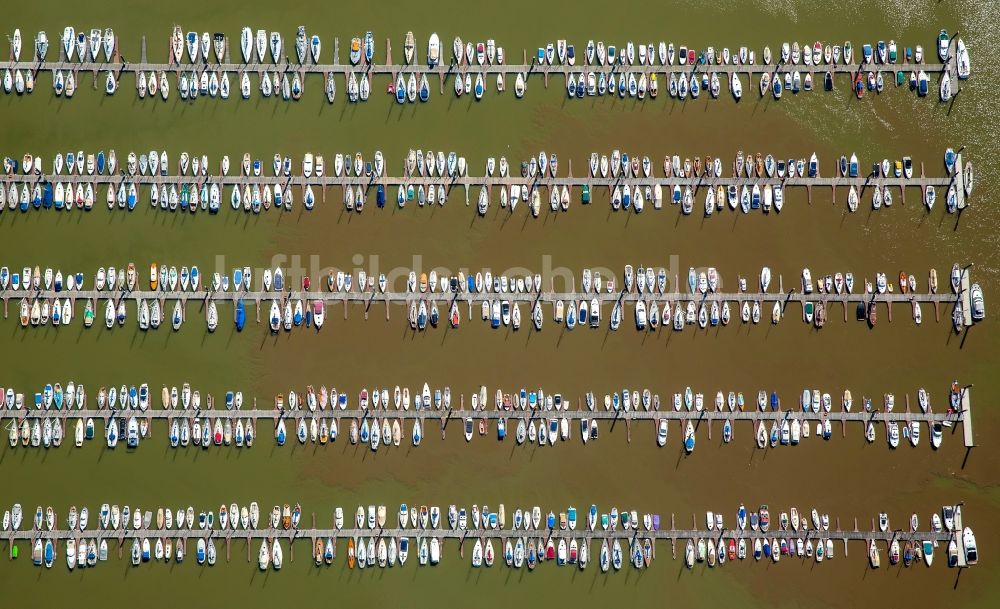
{"x": 433, "y": 50}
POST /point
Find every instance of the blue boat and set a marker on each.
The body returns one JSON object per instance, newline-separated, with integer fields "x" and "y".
{"x": 425, "y": 91}
{"x": 369, "y": 46}
{"x": 380, "y": 196}
{"x": 774, "y": 400}
{"x": 100, "y": 162}
{"x": 550, "y": 521}
{"x": 400, "y": 90}
{"x": 241, "y": 315}
{"x": 949, "y": 160}
{"x": 540, "y": 56}
{"x": 47, "y": 196}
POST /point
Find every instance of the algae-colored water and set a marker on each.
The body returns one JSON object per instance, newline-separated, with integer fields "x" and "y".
{"x": 845, "y": 476}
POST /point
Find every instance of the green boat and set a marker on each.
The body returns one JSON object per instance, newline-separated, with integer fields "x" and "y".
{"x": 585, "y": 195}
{"x": 900, "y": 77}
{"x": 809, "y": 311}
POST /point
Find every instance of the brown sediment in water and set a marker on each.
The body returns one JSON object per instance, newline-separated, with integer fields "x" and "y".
{"x": 844, "y": 476}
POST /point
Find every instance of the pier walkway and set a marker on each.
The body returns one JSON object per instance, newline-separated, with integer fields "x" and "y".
{"x": 708, "y": 417}
{"x": 556, "y": 534}
{"x": 529, "y": 65}
{"x": 861, "y": 183}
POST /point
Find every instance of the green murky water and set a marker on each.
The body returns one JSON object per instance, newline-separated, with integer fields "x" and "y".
{"x": 845, "y": 476}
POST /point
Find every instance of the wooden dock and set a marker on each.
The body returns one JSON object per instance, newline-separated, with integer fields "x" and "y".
{"x": 469, "y": 299}
{"x": 546, "y": 297}
{"x": 706, "y": 417}
{"x": 580, "y": 534}
{"x": 546, "y": 184}
{"x": 455, "y": 69}
{"x": 860, "y": 183}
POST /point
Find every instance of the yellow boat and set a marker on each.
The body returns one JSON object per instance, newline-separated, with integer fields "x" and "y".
{"x": 153, "y": 276}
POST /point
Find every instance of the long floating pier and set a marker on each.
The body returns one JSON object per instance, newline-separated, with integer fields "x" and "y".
{"x": 640, "y": 541}
{"x": 492, "y": 183}
{"x": 477, "y": 297}
{"x": 962, "y": 414}
{"x": 461, "y": 69}
{"x": 961, "y": 299}
{"x": 304, "y": 534}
